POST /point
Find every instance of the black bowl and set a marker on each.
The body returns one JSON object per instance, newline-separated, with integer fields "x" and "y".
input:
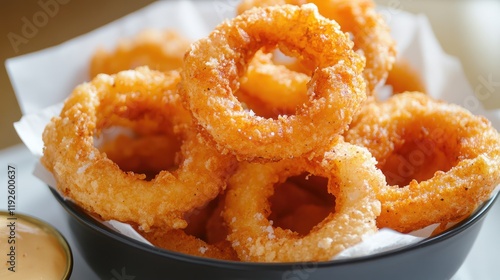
{"x": 110, "y": 253}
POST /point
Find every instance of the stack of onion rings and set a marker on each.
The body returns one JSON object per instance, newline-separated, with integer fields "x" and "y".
{"x": 167, "y": 175}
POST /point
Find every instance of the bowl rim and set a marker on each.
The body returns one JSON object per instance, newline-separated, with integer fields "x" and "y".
{"x": 83, "y": 217}
{"x": 46, "y": 226}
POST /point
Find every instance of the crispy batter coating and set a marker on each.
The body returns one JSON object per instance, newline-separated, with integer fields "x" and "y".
{"x": 408, "y": 130}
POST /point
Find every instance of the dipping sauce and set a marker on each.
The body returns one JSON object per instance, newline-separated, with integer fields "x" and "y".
{"x": 32, "y": 249}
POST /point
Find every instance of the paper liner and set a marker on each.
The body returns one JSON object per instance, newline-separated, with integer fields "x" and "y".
{"x": 42, "y": 80}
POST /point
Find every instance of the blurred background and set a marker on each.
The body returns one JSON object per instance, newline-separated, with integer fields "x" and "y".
{"x": 467, "y": 29}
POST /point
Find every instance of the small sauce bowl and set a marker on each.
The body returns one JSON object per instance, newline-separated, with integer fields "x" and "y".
{"x": 32, "y": 249}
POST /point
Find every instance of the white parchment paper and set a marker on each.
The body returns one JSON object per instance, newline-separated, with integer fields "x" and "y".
{"x": 42, "y": 80}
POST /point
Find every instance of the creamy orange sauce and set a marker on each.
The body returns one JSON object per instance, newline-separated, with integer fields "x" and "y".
{"x": 28, "y": 251}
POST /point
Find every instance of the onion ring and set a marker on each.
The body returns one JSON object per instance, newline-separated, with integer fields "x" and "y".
{"x": 161, "y": 50}
{"x": 352, "y": 179}
{"x": 88, "y": 177}
{"x": 214, "y": 65}
{"x": 410, "y": 126}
